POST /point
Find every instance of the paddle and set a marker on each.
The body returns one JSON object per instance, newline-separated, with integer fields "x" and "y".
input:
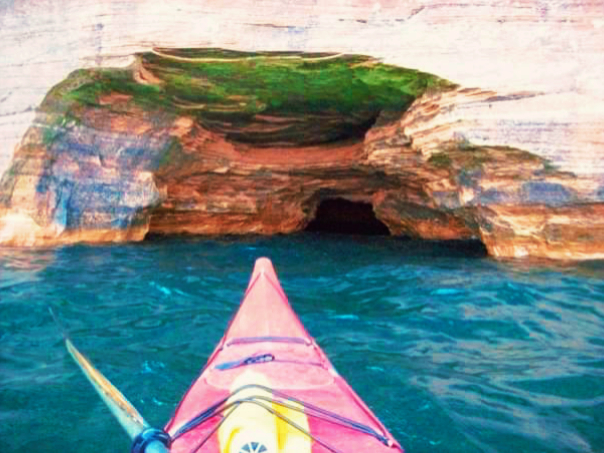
{"x": 145, "y": 438}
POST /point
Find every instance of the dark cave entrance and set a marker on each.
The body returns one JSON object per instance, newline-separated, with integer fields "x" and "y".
{"x": 337, "y": 215}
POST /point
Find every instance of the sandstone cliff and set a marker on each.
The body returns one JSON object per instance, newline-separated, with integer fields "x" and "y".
{"x": 216, "y": 142}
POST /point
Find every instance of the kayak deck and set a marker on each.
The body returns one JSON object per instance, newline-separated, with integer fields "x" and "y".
{"x": 268, "y": 357}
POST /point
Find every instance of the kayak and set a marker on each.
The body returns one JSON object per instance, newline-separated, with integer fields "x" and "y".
{"x": 268, "y": 387}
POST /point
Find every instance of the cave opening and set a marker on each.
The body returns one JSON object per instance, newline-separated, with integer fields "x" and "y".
{"x": 341, "y": 216}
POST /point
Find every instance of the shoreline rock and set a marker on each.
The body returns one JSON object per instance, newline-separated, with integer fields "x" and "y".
{"x": 113, "y": 156}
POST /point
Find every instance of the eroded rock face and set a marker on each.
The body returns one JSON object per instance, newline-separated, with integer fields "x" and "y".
{"x": 517, "y": 203}
{"x": 172, "y": 148}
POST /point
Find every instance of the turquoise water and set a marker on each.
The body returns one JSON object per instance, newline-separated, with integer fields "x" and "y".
{"x": 454, "y": 353}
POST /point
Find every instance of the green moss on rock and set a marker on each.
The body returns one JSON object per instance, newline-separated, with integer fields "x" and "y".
{"x": 440, "y": 160}
{"x": 285, "y": 82}
{"x": 316, "y": 98}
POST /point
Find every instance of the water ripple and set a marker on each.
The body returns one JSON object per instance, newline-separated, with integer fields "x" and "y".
{"x": 454, "y": 353}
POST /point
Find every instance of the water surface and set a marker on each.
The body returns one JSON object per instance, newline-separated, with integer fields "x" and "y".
{"x": 454, "y": 352}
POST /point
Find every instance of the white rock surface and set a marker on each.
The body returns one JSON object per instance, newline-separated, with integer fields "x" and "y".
{"x": 554, "y": 48}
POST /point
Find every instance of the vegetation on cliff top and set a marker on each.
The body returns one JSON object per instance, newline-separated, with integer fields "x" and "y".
{"x": 263, "y": 98}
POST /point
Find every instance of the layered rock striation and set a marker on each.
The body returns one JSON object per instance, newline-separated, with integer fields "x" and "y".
{"x": 221, "y": 142}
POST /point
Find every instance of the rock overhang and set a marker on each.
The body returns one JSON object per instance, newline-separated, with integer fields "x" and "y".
{"x": 211, "y": 141}
{"x": 261, "y": 98}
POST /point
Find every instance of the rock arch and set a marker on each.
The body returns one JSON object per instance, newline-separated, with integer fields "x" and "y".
{"x": 208, "y": 141}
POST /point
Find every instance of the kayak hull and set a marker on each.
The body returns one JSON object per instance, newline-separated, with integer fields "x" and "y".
{"x": 267, "y": 351}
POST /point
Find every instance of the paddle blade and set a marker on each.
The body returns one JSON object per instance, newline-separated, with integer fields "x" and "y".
{"x": 121, "y": 408}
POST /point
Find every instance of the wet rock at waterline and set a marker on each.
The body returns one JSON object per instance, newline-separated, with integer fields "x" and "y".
{"x": 222, "y": 142}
